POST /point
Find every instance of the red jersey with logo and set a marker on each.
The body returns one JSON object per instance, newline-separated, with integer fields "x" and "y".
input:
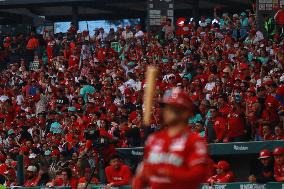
{"x": 73, "y": 60}
{"x": 31, "y": 183}
{"x": 236, "y": 125}
{"x": 220, "y": 127}
{"x": 278, "y": 172}
{"x": 226, "y": 178}
{"x": 118, "y": 177}
{"x": 225, "y": 110}
{"x": 50, "y": 49}
{"x": 280, "y": 137}
{"x": 179, "y": 155}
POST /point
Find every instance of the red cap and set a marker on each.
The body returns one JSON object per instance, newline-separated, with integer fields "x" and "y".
{"x": 3, "y": 168}
{"x": 278, "y": 151}
{"x": 127, "y": 91}
{"x": 13, "y": 164}
{"x": 195, "y": 97}
{"x": 269, "y": 82}
{"x": 113, "y": 109}
{"x": 264, "y": 154}
{"x": 251, "y": 89}
{"x": 2, "y": 116}
{"x": 55, "y": 152}
{"x": 24, "y": 149}
{"x": 177, "y": 97}
{"x": 180, "y": 22}
{"x": 7, "y": 39}
{"x": 244, "y": 66}
{"x": 223, "y": 165}
{"x": 132, "y": 116}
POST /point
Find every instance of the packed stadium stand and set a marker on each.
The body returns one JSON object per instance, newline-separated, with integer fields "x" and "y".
{"x": 71, "y": 90}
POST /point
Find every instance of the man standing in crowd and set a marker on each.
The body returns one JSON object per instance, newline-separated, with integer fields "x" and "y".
{"x": 216, "y": 128}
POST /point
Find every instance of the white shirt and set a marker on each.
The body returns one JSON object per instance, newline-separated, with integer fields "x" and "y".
{"x": 202, "y": 24}
{"x": 127, "y": 35}
{"x": 139, "y": 34}
{"x": 102, "y": 36}
{"x": 258, "y": 37}
{"x": 131, "y": 84}
{"x": 20, "y": 99}
{"x": 209, "y": 86}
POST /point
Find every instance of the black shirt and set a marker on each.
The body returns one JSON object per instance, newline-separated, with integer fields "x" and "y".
{"x": 129, "y": 107}
{"x": 211, "y": 135}
{"x": 62, "y": 101}
{"x": 263, "y": 174}
{"x": 133, "y": 137}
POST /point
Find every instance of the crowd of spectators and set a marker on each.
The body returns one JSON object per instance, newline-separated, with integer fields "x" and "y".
{"x": 60, "y": 93}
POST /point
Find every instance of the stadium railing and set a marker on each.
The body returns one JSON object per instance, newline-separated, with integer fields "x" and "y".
{"x": 237, "y": 185}
{"x": 215, "y": 149}
{"x": 240, "y": 155}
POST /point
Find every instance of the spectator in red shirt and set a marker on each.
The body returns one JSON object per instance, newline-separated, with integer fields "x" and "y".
{"x": 33, "y": 42}
{"x": 31, "y": 175}
{"x": 224, "y": 175}
{"x": 83, "y": 180}
{"x": 236, "y": 124}
{"x": 31, "y": 47}
{"x": 267, "y": 133}
{"x": 74, "y": 60}
{"x": 216, "y": 129}
{"x": 279, "y": 164}
{"x": 279, "y": 134}
{"x": 67, "y": 179}
{"x": 224, "y": 107}
{"x": 10, "y": 177}
{"x": 117, "y": 173}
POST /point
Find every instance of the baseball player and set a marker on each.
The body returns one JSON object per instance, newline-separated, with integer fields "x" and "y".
{"x": 224, "y": 175}
{"x": 174, "y": 157}
{"x": 279, "y": 164}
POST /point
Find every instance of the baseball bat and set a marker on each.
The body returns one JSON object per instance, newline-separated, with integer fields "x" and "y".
{"x": 149, "y": 93}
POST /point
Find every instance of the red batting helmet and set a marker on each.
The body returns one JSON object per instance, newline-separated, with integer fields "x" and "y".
{"x": 278, "y": 151}
{"x": 264, "y": 154}
{"x": 178, "y": 98}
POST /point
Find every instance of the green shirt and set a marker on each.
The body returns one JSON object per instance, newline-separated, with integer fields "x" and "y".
{"x": 87, "y": 89}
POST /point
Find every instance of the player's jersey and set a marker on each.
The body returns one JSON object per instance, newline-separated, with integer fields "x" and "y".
{"x": 278, "y": 171}
{"x": 226, "y": 178}
{"x": 181, "y": 152}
